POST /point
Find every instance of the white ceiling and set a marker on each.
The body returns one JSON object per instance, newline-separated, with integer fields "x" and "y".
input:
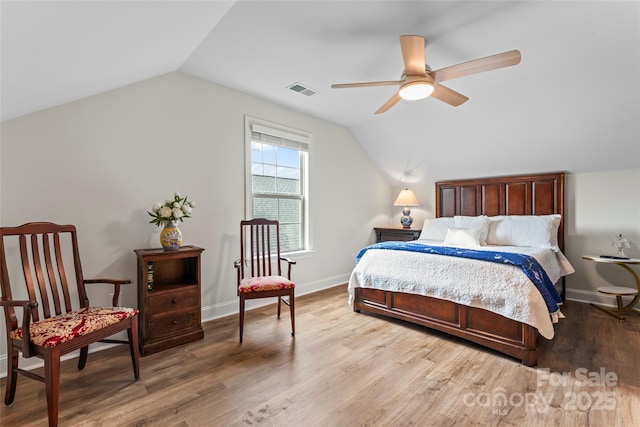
{"x": 572, "y": 104}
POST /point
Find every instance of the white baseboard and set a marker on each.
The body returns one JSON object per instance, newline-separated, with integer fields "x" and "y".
{"x": 211, "y": 312}
{"x": 589, "y": 297}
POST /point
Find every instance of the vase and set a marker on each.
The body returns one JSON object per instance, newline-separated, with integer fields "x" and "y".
{"x": 170, "y": 236}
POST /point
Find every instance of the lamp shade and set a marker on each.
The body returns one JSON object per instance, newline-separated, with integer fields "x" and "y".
{"x": 620, "y": 242}
{"x": 406, "y": 198}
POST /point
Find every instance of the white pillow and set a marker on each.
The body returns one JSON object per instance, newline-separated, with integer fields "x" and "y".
{"x": 481, "y": 222}
{"x": 469, "y": 237}
{"x": 525, "y": 230}
{"x": 436, "y": 228}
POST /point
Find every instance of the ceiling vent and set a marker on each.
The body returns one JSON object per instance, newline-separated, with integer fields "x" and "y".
{"x": 300, "y": 88}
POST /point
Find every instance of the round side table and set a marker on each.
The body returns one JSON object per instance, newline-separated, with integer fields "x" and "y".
{"x": 619, "y": 291}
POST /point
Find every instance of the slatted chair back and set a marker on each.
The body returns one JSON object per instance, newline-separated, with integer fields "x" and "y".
{"x": 48, "y": 276}
{"x": 260, "y": 248}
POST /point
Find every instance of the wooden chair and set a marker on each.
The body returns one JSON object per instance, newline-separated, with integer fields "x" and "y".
{"x": 259, "y": 267}
{"x": 39, "y": 254}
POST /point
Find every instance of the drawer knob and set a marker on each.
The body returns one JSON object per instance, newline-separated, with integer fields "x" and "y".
{"x": 175, "y": 322}
{"x": 175, "y": 300}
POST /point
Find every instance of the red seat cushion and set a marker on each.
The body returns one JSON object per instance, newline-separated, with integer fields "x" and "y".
{"x": 265, "y": 283}
{"x": 57, "y": 330}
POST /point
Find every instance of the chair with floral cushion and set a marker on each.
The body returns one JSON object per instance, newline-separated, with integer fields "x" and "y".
{"x": 259, "y": 267}
{"x": 44, "y": 258}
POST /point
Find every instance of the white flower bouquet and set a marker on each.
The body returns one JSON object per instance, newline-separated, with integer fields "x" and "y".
{"x": 176, "y": 209}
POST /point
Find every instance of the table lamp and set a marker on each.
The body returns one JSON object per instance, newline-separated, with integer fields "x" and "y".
{"x": 621, "y": 243}
{"x": 406, "y": 198}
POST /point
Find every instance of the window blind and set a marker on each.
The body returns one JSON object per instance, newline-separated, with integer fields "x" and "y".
{"x": 279, "y": 137}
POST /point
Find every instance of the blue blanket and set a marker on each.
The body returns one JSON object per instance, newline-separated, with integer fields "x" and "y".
{"x": 529, "y": 265}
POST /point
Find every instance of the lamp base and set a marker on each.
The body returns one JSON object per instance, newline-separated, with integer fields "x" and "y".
{"x": 406, "y": 219}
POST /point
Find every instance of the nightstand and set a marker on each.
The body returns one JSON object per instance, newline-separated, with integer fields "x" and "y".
{"x": 619, "y": 291}
{"x": 384, "y": 234}
{"x": 168, "y": 298}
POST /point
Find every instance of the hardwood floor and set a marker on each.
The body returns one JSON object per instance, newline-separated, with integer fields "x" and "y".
{"x": 350, "y": 369}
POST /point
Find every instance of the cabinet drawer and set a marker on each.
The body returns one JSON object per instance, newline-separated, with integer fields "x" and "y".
{"x": 397, "y": 235}
{"x": 173, "y": 323}
{"x": 384, "y": 234}
{"x": 172, "y": 301}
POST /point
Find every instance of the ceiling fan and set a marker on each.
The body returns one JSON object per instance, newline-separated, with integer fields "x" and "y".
{"x": 418, "y": 81}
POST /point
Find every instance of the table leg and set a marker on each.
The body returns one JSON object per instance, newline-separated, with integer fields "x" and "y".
{"x": 615, "y": 313}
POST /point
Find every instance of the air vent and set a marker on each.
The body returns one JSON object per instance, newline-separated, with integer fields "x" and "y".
{"x": 300, "y": 88}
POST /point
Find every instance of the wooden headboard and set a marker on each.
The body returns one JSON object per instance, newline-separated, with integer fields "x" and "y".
{"x": 540, "y": 194}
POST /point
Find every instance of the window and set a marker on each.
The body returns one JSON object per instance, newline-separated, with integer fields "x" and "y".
{"x": 277, "y": 179}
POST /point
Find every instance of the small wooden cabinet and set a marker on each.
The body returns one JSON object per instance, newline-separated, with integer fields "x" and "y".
{"x": 169, "y": 298}
{"x": 384, "y": 234}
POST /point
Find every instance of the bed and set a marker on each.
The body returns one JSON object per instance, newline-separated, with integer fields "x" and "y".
{"x": 520, "y": 197}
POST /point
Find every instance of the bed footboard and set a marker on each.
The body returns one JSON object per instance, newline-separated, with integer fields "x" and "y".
{"x": 480, "y": 326}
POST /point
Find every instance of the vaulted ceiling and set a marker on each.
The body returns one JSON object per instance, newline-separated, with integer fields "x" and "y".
{"x": 572, "y": 104}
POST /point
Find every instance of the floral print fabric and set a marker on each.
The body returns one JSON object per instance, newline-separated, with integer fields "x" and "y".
{"x": 266, "y": 283}
{"x": 57, "y": 330}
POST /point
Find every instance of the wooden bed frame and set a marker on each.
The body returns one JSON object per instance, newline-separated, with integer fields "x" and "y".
{"x": 508, "y": 195}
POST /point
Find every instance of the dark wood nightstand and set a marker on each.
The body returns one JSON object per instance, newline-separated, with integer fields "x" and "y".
{"x": 384, "y": 234}
{"x": 168, "y": 298}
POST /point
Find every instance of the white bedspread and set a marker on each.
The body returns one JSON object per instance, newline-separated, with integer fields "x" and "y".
{"x": 500, "y": 288}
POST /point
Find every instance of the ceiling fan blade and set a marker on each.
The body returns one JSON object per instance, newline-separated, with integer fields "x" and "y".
{"x": 447, "y": 95}
{"x": 413, "y": 55}
{"x": 488, "y": 63}
{"x": 390, "y": 103}
{"x": 365, "y": 84}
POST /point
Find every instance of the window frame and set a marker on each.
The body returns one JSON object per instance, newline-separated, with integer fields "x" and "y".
{"x": 304, "y": 139}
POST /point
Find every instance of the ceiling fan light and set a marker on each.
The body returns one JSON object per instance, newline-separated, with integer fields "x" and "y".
{"x": 415, "y": 90}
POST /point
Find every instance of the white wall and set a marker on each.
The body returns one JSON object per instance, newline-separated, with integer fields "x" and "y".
{"x": 99, "y": 163}
{"x": 600, "y": 205}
